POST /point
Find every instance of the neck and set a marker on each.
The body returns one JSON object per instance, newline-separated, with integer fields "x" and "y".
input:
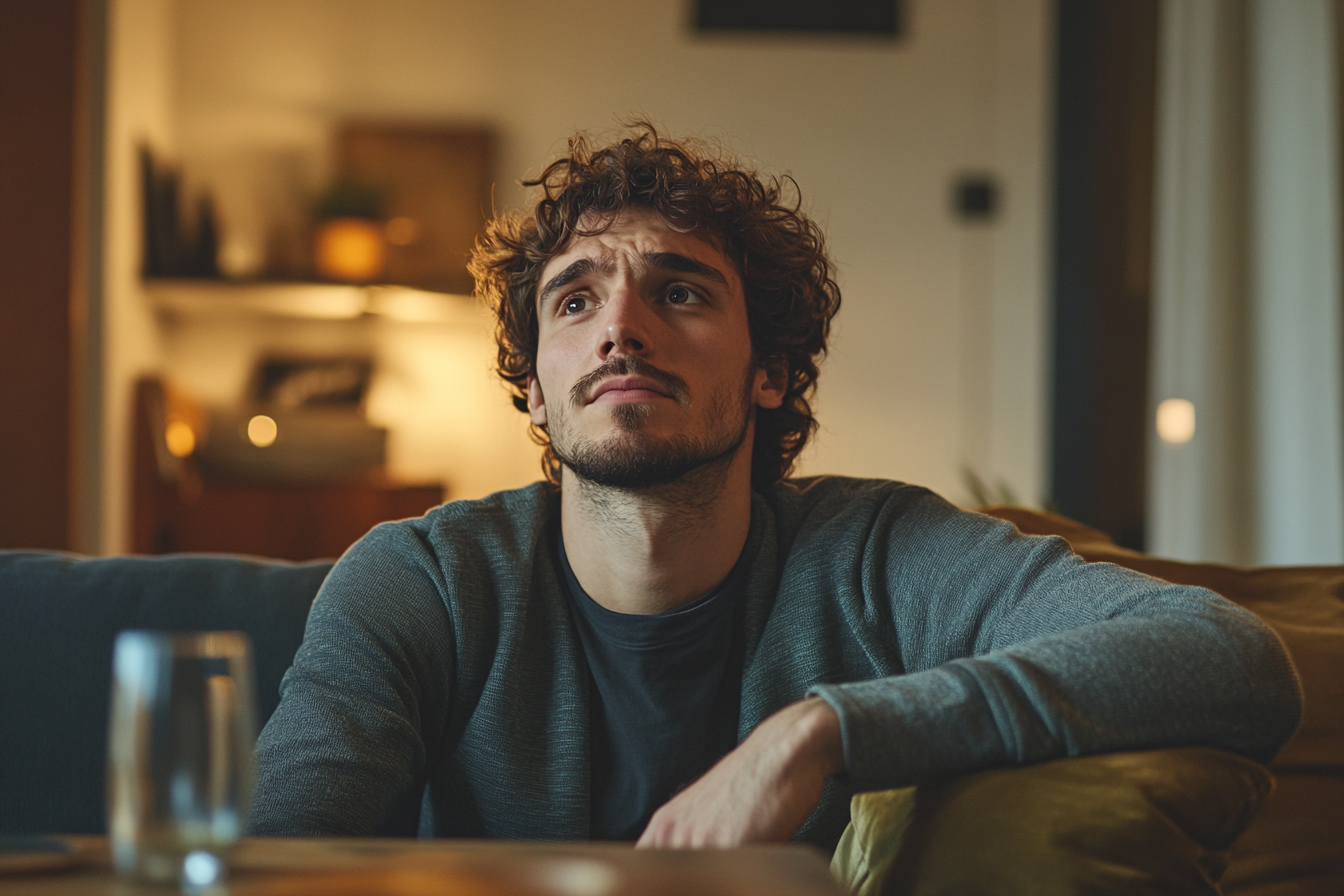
{"x": 647, "y": 551}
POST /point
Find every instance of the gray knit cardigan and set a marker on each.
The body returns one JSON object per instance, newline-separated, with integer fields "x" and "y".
{"x": 441, "y": 687}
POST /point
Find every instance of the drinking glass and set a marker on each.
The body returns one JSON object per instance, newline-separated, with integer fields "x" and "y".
{"x": 180, "y": 740}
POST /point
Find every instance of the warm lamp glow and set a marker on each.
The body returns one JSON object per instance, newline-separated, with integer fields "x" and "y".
{"x": 262, "y": 431}
{"x": 180, "y": 438}
{"x": 351, "y": 250}
{"x": 1176, "y": 421}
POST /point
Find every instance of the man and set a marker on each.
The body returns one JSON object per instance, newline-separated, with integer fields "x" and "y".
{"x": 670, "y": 642}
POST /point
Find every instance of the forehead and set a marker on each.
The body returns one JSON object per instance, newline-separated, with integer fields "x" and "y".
{"x": 634, "y": 233}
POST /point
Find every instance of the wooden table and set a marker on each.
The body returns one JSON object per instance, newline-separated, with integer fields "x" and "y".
{"x": 374, "y": 867}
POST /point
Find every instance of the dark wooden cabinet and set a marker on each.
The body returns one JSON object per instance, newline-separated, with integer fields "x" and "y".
{"x": 177, "y": 509}
{"x": 292, "y": 522}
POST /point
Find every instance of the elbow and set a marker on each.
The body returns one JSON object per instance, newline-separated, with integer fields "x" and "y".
{"x": 1275, "y": 709}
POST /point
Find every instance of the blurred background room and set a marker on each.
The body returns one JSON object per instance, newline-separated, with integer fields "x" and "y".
{"x": 1089, "y": 252}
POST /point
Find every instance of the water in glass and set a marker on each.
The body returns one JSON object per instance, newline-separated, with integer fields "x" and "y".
{"x": 180, "y": 775}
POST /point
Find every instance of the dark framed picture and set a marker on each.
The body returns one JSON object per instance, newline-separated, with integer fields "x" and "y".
{"x": 305, "y": 383}
{"x": 878, "y": 18}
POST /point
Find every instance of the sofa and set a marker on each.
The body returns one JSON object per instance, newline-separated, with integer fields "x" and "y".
{"x": 1165, "y": 821}
{"x": 59, "y": 615}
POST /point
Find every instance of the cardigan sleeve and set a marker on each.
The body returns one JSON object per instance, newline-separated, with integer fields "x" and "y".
{"x": 1017, "y": 651}
{"x": 345, "y": 752}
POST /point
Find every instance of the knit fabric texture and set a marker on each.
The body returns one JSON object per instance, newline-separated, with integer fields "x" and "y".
{"x": 441, "y": 688}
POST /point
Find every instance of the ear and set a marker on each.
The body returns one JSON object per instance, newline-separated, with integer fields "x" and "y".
{"x": 772, "y": 379}
{"x": 536, "y": 402}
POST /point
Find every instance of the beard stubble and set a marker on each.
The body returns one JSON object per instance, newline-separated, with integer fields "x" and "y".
{"x": 632, "y": 459}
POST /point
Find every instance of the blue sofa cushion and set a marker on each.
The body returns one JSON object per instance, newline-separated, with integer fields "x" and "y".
{"x": 59, "y": 615}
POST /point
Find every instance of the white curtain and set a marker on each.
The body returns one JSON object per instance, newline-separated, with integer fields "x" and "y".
{"x": 1246, "y": 313}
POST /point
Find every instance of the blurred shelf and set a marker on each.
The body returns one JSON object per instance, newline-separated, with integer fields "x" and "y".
{"x": 192, "y": 298}
{"x": 179, "y": 504}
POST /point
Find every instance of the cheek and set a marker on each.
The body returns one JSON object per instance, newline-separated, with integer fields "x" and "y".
{"x": 555, "y": 365}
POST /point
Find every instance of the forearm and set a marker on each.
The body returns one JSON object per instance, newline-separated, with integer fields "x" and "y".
{"x": 1211, "y": 675}
{"x": 806, "y": 737}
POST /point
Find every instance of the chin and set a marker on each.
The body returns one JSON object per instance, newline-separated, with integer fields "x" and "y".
{"x": 640, "y": 460}
{"x": 632, "y": 416}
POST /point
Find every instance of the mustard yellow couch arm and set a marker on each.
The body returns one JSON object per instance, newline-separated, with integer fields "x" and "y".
{"x": 1158, "y": 821}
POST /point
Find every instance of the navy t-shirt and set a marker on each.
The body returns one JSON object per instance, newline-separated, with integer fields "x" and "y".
{"x": 666, "y": 691}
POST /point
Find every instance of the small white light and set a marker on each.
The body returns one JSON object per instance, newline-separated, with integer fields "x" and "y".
{"x": 262, "y": 431}
{"x": 1176, "y": 421}
{"x": 200, "y": 868}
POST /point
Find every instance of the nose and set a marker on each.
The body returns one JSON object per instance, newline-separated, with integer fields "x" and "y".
{"x": 626, "y": 328}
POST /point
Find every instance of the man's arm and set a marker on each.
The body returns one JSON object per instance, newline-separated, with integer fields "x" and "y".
{"x": 1064, "y": 658}
{"x": 1037, "y": 656}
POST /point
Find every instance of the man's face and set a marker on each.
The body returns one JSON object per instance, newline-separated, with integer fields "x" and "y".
{"x": 644, "y": 364}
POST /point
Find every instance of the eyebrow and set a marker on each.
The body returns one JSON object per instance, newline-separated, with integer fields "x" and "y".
{"x": 671, "y": 261}
{"x": 580, "y": 268}
{"x": 665, "y": 261}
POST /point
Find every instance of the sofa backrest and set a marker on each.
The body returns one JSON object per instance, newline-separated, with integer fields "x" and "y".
{"x": 59, "y": 616}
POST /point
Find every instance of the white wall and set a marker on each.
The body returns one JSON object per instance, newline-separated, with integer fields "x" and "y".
{"x": 141, "y": 47}
{"x": 938, "y": 355}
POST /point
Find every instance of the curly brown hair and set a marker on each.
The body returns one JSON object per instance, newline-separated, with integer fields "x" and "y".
{"x": 755, "y": 221}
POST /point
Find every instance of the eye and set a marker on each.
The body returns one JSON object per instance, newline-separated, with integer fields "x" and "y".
{"x": 683, "y": 295}
{"x": 574, "y": 304}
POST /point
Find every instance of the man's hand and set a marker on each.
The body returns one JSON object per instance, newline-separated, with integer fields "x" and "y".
{"x": 762, "y": 791}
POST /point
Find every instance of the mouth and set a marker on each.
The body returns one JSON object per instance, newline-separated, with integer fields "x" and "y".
{"x": 628, "y": 380}
{"x": 627, "y": 388}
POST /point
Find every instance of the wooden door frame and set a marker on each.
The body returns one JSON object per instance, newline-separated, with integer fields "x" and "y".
{"x": 51, "y": 102}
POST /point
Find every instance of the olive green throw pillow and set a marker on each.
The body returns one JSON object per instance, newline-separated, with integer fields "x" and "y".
{"x": 1126, "y": 823}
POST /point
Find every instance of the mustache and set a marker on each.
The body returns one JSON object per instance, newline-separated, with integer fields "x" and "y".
{"x": 628, "y": 365}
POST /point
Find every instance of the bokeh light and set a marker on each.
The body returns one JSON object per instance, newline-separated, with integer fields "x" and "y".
{"x": 180, "y": 437}
{"x": 1176, "y": 421}
{"x": 262, "y": 431}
